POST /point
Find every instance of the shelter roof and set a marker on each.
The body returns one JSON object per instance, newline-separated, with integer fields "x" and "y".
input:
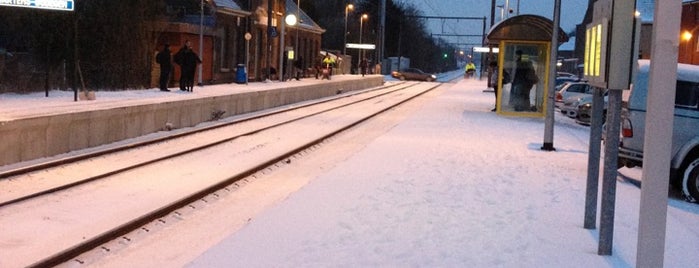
{"x": 524, "y": 27}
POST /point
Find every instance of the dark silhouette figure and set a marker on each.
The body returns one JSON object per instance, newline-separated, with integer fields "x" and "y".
{"x": 524, "y": 79}
{"x": 188, "y": 61}
{"x": 363, "y": 65}
{"x": 298, "y": 64}
{"x": 165, "y": 60}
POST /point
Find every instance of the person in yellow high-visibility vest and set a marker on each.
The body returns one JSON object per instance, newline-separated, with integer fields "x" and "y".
{"x": 328, "y": 64}
{"x": 470, "y": 70}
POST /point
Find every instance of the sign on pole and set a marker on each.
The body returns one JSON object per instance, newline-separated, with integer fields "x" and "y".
{"x": 64, "y": 5}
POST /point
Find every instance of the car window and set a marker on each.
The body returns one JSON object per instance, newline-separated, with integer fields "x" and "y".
{"x": 589, "y": 89}
{"x": 687, "y": 94}
{"x": 577, "y": 88}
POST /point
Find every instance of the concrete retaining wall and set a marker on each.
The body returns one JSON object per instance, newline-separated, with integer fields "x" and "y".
{"x": 43, "y": 136}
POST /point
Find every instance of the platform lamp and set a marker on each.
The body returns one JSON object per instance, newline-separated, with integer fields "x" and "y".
{"x": 348, "y": 8}
{"x": 201, "y": 42}
{"x": 361, "y": 25}
{"x": 291, "y": 20}
{"x": 297, "y": 47}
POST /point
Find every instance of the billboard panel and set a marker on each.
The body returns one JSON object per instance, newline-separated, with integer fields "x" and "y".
{"x": 65, "y": 5}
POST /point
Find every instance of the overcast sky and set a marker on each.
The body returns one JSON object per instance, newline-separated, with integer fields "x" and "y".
{"x": 572, "y": 13}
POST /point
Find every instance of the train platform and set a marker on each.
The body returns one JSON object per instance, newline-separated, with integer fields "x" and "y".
{"x": 36, "y": 126}
{"x": 439, "y": 182}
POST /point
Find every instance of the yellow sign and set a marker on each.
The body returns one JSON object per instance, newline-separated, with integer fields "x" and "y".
{"x": 596, "y": 53}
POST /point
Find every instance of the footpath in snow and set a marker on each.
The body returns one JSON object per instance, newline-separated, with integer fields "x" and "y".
{"x": 454, "y": 185}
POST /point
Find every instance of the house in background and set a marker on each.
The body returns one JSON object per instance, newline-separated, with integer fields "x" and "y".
{"x": 689, "y": 32}
{"x": 223, "y": 25}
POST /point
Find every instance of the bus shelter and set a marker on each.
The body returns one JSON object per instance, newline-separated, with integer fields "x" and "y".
{"x": 524, "y": 43}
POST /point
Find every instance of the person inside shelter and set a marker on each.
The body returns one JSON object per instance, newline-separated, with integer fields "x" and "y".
{"x": 524, "y": 78}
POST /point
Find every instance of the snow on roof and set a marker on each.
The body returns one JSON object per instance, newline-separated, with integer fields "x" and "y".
{"x": 227, "y": 3}
{"x": 647, "y": 8}
{"x": 230, "y": 6}
{"x": 685, "y": 72}
{"x": 305, "y": 21}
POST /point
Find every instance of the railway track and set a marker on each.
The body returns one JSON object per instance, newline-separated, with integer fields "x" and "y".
{"x": 255, "y": 144}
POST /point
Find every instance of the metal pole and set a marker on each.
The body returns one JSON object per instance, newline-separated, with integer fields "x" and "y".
{"x": 344, "y": 47}
{"x": 247, "y": 54}
{"x": 298, "y": 26}
{"x": 593, "y": 160}
{"x": 507, "y": 8}
{"x": 492, "y": 13}
{"x": 611, "y": 151}
{"x": 382, "y": 32}
{"x": 659, "y": 123}
{"x": 269, "y": 40}
{"x": 548, "y": 127}
{"x": 297, "y": 47}
{"x": 361, "y": 24}
{"x": 201, "y": 42}
{"x": 280, "y": 71}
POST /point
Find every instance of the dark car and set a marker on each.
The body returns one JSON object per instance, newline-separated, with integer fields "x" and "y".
{"x": 413, "y": 74}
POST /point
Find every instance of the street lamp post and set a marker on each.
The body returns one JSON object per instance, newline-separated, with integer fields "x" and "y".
{"x": 291, "y": 20}
{"x": 348, "y": 7}
{"x": 298, "y": 25}
{"x": 201, "y": 43}
{"x": 361, "y": 25}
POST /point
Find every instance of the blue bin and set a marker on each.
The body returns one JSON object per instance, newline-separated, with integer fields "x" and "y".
{"x": 241, "y": 74}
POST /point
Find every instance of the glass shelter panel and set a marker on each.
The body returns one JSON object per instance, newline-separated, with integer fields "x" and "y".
{"x": 524, "y": 67}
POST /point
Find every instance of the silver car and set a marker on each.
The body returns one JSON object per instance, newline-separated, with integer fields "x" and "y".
{"x": 684, "y": 163}
{"x": 570, "y": 106}
{"x": 571, "y": 90}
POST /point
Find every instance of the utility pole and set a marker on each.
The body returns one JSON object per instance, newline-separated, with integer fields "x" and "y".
{"x": 382, "y": 30}
{"x": 492, "y": 13}
{"x": 269, "y": 38}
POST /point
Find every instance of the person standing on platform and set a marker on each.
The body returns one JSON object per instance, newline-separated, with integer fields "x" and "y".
{"x": 298, "y": 65}
{"x": 524, "y": 79}
{"x": 363, "y": 65}
{"x": 328, "y": 64}
{"x": 188, "y": 61}
{"x": 494, "y": 76}
{"x": 165, "y": 60}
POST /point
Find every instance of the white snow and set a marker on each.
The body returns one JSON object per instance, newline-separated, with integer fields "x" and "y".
{"x": 452, "y": 185}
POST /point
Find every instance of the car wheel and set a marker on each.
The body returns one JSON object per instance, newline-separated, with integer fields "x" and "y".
{"x": 690, "y": 181}
{"x": 430, "y": 79}
{"x": 402, "y": 78}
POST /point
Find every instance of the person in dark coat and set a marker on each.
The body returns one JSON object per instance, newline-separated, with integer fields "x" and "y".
{"x": 298, "y": 64}
{"x": 363, "y": 65}
{"x": 188, "y": 60}
{"x": 524, "y": 79}
{"x": 165, "y": 60}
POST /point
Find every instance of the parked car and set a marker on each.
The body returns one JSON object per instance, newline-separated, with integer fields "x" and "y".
{"x": 413, "y": 74}
{"x": 684, "y": 161}
{"x": 562, "y": 80}
{"x": 572, "y": 89}
{"x": 565, "y": 74}
{"x": 570, "y": 106}
{"x": 584, "y": 110}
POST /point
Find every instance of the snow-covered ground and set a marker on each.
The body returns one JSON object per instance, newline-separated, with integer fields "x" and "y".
{"x": 452, "y": 185}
